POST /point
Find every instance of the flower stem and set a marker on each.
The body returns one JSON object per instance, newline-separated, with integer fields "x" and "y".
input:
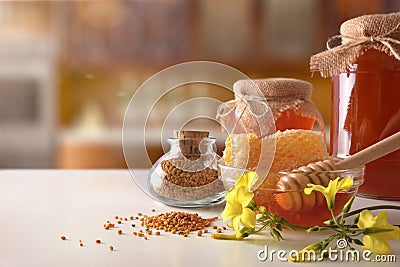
{"x": 292, "y": 226}
{"x": 379, "y": 207}
{"x": 334, "y": 219}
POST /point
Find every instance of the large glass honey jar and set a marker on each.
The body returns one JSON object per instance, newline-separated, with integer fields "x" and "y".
{"x": 364, "y": 63}
{"x": 366, "y": 109}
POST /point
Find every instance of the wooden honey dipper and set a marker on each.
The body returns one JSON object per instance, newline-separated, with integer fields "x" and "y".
{"x": 297, "y": 179}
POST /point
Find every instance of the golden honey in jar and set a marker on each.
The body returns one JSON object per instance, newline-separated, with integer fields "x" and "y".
{"x": 366, "y": 96}
{"x": 366, "y": 109}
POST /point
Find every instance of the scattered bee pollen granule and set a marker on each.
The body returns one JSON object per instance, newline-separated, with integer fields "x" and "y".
{"x": 176, "y": 221}
{"x": 98, "y": 241}
{"x": 111, "y": 248}
{"x": 63, "y": 238}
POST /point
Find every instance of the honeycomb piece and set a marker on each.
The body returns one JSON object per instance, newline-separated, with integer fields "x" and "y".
{"x": 242, "y": 150}
{"x": 295, "y": 148}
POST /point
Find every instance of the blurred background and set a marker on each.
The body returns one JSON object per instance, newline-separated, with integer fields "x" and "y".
{"x": 68, "y": 69}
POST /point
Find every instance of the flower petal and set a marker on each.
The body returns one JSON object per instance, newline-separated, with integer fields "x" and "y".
{"x": 247, "y": 180}
{"x": 345, "y": 183}
{"x": 376, "y": 245}
{"x": 312, "y": 187}
{"x": 377, "y": 241}
{"x": 382, "y": 223}
{"x": 244, "y": 196}
{"x": 365, "y": 220}
{"x": 232, "y": 207}
{"x": 248, "y": 218}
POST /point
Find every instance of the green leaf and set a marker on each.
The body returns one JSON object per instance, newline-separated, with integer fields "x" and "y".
{"x": 358, "y": 242}
{"x": 355, "y": 220}
{"x": 275, "y": 234}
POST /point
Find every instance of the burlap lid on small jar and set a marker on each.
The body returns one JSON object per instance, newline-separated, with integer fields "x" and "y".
{"x": 357, "y": 35}
{"x": 280, "y": 94}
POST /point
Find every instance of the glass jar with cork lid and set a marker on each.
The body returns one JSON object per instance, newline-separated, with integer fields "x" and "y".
{"x": 187, "y": 176}
{"x": 364, "y": 63}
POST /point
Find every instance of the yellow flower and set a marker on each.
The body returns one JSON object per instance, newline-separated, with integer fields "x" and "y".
{"x": 377, "y": 231}
{"x": 330, "y": 191}
{"x": 237, "y": 202}
{"x": 247, "y": 180}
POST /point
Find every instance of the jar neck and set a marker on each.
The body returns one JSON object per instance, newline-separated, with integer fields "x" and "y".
{"x": 193, "y": 146}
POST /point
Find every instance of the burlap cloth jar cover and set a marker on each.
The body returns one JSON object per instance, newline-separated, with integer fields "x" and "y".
{"x": 242, "y": 115}
{"x": 357, "y": 35}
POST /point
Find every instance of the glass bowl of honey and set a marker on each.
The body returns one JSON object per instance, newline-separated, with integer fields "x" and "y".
{"x": 282, "y": 192}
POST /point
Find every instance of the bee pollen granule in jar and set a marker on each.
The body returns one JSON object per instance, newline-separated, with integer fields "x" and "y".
{"x": 187, "y": 174}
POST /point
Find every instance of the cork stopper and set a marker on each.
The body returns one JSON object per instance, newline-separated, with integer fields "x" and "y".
{"x": 190, "y": 140}
{"x": 190, "y": 134}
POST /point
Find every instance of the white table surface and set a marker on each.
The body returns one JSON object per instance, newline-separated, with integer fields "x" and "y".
{"x": 39, "y": 206}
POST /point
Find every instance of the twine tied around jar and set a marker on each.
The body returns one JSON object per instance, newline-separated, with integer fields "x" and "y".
{"x": 380, "y": 32}
{"x": 247, "y": 113}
